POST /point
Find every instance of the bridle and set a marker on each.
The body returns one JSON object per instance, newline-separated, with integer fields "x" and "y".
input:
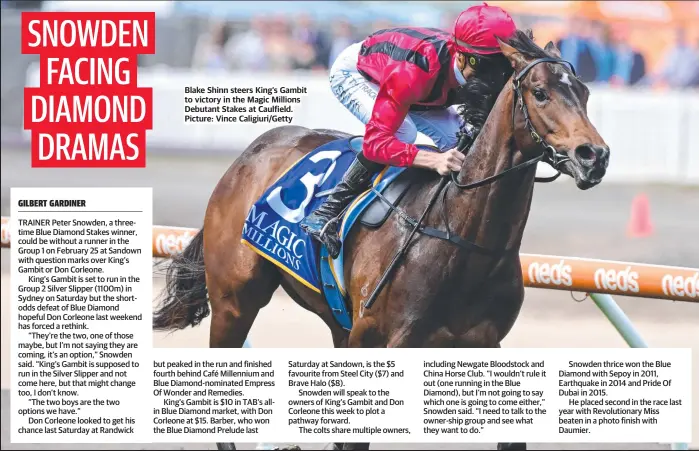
{"x": 550, "y": 155}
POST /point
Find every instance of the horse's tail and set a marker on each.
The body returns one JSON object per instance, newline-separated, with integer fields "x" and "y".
{"x": 184, "y": 301}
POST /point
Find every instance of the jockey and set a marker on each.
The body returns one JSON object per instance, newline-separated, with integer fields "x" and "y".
{"x": 402, "y": 81}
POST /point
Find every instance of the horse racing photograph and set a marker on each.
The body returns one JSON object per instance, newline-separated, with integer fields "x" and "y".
{"x": 500, "y": 174}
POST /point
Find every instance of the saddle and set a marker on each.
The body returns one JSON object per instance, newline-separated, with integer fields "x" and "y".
{"x": 379, "y": 208}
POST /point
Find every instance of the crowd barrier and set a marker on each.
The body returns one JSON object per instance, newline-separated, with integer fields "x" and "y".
{"x": 649, "y": 132}
{"x": 539, "y": 271}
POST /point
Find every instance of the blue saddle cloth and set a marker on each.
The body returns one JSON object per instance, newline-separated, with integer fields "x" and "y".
{"x": 272, "y": 225}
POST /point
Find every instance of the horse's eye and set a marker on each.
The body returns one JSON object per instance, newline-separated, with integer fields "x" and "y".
{"x": 540, "y": 95}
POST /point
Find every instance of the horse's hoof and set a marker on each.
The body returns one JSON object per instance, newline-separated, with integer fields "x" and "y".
{"x": 272, "y": 447}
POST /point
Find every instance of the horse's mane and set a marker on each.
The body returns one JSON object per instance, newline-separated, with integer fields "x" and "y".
{"x": 523, "y": 42}
{"x": 478, "y": 97}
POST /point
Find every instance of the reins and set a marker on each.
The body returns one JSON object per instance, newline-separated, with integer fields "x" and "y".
{"x": 549, "y": 155}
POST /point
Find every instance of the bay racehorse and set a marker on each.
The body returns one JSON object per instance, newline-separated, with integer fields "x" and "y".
{"x": 460, "y": 285}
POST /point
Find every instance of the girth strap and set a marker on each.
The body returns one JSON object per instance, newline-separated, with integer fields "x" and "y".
{"x": 436, "y": 233}
{"x": 457, "y": 240}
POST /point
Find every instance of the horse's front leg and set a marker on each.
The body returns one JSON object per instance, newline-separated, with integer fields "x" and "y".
{"x": 511, "y": 446}
{"x": 350, "y": 446}
{"x": 360, "y": 331}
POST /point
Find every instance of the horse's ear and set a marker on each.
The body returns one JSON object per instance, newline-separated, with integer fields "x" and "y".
{"x": 552, "y": 49}
{"x": 517, "y": 60}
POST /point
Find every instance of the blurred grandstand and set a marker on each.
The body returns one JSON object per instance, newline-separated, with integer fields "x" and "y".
{"x": 621, "y": 43}
{"x": 648, "y": 44}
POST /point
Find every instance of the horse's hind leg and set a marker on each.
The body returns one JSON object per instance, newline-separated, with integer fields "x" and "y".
{"x": 237, "y": 291}
{"x": 232, "y": 320}
{"x": 512, "y": 446}
{"x": 237, "y": 299}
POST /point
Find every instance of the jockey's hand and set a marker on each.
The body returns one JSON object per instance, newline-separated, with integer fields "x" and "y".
{"x": 449, "y": 161}
{"x": 444, "y": 163}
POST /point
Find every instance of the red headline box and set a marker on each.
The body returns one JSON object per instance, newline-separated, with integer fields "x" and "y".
{"x": 85, "y": 33}
{"x": 88, "y": 110}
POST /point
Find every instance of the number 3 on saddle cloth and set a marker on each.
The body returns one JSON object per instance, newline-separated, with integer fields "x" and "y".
{"x": 272, "y": 225}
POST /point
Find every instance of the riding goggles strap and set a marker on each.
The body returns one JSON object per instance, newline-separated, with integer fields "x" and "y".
{"x": 489, "y": 66}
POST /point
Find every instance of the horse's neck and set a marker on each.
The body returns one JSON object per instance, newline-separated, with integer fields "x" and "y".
{"x": 494, "y": 216}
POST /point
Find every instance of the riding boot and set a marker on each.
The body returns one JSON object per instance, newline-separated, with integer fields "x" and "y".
{"x": 322, "y": 224}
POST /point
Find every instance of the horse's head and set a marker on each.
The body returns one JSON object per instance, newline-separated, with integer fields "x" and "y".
{"x": 550, "y": 112}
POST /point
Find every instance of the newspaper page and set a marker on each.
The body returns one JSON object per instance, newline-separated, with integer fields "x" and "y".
{"x": 285, "y": 225}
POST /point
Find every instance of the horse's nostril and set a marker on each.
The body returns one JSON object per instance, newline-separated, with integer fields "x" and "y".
{"x": 585, "y": 153}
